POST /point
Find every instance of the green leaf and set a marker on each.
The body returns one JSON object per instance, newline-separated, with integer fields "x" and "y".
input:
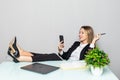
{"x": 97, "y": 58}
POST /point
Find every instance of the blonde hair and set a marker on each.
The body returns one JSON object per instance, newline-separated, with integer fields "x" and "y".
{"x": 90, "y": 33}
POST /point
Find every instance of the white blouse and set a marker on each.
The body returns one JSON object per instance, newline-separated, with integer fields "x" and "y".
{"x": 76, "y": 53}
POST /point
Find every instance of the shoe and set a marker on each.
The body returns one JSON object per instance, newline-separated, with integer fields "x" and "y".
{"x": 12, "y": 55}
{"x": 16, "y": 53}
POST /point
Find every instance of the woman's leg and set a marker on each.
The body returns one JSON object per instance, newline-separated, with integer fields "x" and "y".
{"x": 24, "y": 55}
{"x": 23, "y": 52}
{"x": 25, "y": 59}
{"x": 28, "y": 56}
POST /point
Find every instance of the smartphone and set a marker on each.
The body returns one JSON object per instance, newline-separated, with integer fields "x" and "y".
{"x": 61, "y": 38}
{"x": 102, "y": 33}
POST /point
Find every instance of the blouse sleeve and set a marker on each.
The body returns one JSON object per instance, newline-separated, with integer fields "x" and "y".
{"x": 92, "y": 45}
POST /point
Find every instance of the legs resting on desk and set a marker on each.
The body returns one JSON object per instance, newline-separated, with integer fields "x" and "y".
{"x": 20, "y": 55}
{"x": 17, "y": 53}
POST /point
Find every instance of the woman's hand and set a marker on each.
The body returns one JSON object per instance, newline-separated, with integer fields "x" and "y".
{"x": 60, "y": 46}
{"x": 96, "y": 37}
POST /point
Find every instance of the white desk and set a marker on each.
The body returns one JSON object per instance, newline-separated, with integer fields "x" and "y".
{"x": 12, "y": 71}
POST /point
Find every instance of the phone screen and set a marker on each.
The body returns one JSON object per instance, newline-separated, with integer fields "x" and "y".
{"x": 61, "y": 38}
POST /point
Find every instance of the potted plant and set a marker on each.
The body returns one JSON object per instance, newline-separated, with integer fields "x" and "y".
{"x": 97, "y": 59}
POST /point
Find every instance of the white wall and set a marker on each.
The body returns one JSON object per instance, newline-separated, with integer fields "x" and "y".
{"x": 37, "y": 24}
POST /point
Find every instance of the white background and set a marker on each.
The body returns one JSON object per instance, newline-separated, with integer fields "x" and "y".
{"x": 38, "y": 23}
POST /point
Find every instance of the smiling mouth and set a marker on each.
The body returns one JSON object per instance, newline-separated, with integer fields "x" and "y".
{"x": 80, "y": 37}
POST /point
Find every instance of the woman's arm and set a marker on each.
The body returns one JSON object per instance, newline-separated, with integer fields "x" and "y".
{"x": 66, "y": 55}
{"x": 95, "y": 39}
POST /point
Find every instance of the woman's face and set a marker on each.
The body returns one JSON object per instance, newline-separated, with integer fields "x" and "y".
{"x": 83, "y": 35}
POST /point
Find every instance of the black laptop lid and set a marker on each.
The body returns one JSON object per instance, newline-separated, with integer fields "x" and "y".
{"x": 40, "y": 68}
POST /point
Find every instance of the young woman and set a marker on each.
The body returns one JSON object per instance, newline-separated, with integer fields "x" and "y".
{"x": 77, "y": 51}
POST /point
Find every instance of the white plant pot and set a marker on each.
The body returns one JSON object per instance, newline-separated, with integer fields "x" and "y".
{"x": 96, "y": 71}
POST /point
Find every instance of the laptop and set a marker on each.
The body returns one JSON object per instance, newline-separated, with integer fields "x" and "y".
{"x": 40, "y": 68}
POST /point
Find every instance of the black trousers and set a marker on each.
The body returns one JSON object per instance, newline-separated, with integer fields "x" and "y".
{"x": 45, "y": 57}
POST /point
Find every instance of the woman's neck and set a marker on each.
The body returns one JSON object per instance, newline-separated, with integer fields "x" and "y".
{"x": 84, "y": 42}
